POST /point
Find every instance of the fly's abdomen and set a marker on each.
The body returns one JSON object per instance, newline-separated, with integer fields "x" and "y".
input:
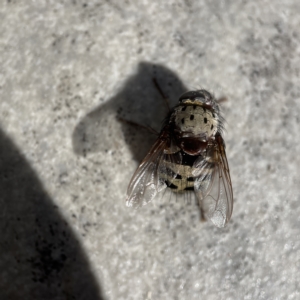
{"x": 182, "y": 179}
{"x": 176, "y": 174}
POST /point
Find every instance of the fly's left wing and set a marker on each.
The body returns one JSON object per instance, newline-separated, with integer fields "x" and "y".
{"x": 212, "y": 183}
{"x": 148, "y": 179}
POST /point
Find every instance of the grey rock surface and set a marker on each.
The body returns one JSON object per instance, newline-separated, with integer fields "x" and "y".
{"x": 68, "y": 69}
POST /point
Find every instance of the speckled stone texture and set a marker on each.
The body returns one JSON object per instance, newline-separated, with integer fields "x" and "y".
{"x": 67, "y": 70}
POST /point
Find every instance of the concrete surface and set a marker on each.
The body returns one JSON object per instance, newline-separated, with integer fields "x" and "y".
{"x": 68, "y": 68}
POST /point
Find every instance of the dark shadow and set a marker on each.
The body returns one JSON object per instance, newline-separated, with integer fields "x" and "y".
{"x": 40, "y": 258}
{"x": 139, "y": 101}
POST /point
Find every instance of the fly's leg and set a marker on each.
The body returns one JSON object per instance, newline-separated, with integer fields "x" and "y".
{"x": 201, "y": 212}
{"x": 166, "y": 99}
{"x": 202, "y": 215}
{"x": 150, "y": 129}
{"x": 222, "y": 99}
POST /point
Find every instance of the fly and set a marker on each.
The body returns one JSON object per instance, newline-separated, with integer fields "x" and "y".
{"x": 188, "y": 155}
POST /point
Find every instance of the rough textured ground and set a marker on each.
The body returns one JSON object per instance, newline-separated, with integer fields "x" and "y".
{"x": 67, "y": 69}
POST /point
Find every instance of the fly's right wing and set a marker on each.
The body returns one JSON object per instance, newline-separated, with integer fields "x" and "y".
{"x": 212, "y": 184}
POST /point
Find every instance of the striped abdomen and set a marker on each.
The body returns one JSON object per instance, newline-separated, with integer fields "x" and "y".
{"x": 181, "y": 177}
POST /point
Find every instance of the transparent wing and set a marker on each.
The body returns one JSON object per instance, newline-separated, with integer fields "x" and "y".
{"x": 150, "y": 176}
{"x": 226, "y": 185}
{"x": 213, "y": 184}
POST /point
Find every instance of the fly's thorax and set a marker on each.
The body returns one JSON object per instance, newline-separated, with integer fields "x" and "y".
{"x": 196, "y": 121}
{"x": 194, "y": 126}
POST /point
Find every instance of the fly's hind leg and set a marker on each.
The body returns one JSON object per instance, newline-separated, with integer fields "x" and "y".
{"x": 202, "y": 215}
{"x": 201, "y": 212}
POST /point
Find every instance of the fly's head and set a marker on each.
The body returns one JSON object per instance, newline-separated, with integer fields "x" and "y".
{"x": 200, "y": 97}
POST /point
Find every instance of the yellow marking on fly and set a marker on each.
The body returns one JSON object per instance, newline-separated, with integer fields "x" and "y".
{"x": 185, "y": 172}
{"x": 192, "y": 102}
